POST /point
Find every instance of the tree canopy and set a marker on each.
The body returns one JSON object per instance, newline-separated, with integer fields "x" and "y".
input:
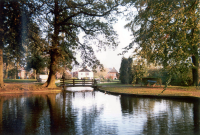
{"x": 167, "y": 33}
{"x": 32, "y": 30}
{"x": 64, "y": 20}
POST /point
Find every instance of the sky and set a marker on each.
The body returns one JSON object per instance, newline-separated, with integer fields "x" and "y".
{"x": 110, "y": 57}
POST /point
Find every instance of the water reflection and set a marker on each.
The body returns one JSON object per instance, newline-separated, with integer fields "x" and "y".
{"x": 196, "y": 117}
{"x": 96, "y": 113}
{"x": 164, "y": 116}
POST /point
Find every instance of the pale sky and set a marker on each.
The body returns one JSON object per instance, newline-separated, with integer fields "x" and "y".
{"x": 110, "y": 58}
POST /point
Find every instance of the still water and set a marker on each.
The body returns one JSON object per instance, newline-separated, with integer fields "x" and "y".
{"x": 97, "y": 113}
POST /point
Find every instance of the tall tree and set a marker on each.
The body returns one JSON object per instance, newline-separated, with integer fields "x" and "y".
{"x": 139, "y": 69}
{"x": 167, "y": 33}
{"x": 19, "y": 30}
{"x": 17, "y": 27}
{"x": 93, "y": 18}
{"x": 17, "y": 17}
{"x": 36, "y": 56}
{"x": 126, "y": 71}
{"x": 130, "y": 70}
{"x": 1, "y": 41}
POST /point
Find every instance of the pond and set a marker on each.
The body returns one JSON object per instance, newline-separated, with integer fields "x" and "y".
{"x": 97, "y": 113}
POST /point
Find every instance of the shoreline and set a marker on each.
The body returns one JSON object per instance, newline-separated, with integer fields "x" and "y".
{"x": 187, "y": 93}
{"x": 145, "y": 92}
{"x": 149, "y": 96}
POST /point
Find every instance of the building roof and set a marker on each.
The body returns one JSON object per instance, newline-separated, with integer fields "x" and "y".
{"x": 113, "y": 71}
{"x": 84, "y": 70}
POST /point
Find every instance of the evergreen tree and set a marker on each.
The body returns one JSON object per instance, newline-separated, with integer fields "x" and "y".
{"x": 15, "y": 34}
{"x": 126, "y": 71}
{"x": 17, "y": 30}
{"x": 130, "y": 70}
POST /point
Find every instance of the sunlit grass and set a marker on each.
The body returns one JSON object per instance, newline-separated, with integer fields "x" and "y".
{"x": 171, "y": 91}
{"x": 113, "y": 83}
{"x": 185, "y": 88}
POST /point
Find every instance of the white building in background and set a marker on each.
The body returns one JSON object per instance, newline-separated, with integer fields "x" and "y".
{"x": 85, "y": 74}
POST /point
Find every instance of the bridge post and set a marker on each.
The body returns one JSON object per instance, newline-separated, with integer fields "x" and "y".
{"x": 73, "y": 82}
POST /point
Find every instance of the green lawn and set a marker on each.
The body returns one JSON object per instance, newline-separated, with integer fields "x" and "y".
{"x": 170, "y": 91}
{"x": 115, "y": 84}
{"x": 185, "y": 88}
{"x": 19, "y": 80}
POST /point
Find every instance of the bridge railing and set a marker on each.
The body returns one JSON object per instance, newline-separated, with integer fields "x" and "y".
{"x": 78, "y": 82}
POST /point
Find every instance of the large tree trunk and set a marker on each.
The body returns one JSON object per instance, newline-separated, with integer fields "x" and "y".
{"x": 195, "y": 70}
{"x": 1, "y": 43}
{"x": 16, "y": 70}
{"x": 195, "y": 61}
{"x": 54, "y": 51}
{"x": 52, "y": 74}
{"x": 194, "y": 43}
{"x": 35, "y": 73}
{"x": 6, "y": 75}
{"x": 1, "y": 67}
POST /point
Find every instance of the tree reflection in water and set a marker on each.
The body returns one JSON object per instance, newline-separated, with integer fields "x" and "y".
{"x": 60, "y": 121}
{"x": 96, "y": 113}
{"x": 164, "y": 116}
{"x": 196, "y": 117}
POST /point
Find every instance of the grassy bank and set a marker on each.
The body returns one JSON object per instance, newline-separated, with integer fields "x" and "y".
{"x": 25, "y": 88}
{"x": 170, "y": 91}
{"x": 27, "y": 85}
{"x": 22, "y": 86}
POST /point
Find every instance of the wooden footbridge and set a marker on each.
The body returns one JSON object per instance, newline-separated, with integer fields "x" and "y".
{"x": 78, "y": 83}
